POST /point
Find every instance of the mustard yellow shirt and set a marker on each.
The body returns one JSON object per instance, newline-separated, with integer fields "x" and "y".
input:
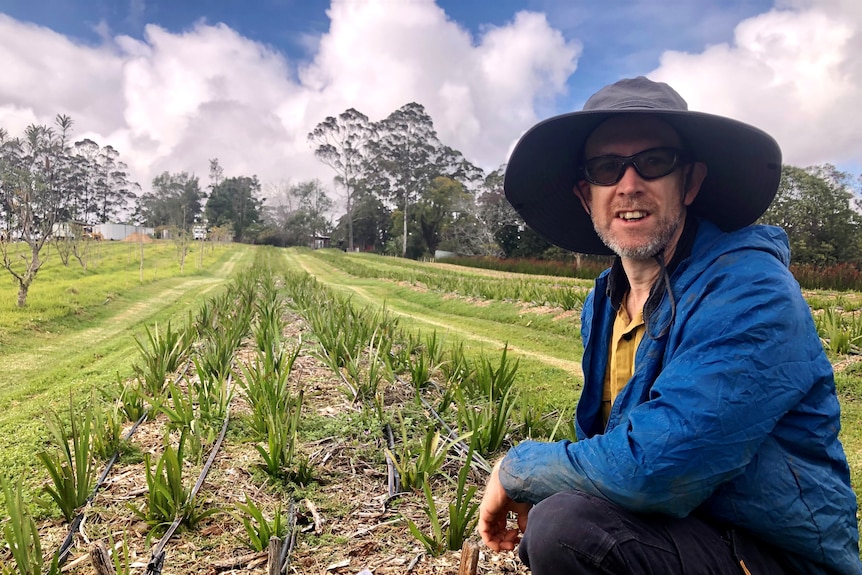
{"x": 626, "y": 337}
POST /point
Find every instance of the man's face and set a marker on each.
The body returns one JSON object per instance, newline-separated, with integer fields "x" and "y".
{"x": 637, "y": 218}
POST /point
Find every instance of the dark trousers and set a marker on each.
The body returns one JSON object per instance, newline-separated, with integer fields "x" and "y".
{"x": 572, "y": 533}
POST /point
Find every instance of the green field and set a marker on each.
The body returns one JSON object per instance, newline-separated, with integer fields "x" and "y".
{"x": 78, "y": 333}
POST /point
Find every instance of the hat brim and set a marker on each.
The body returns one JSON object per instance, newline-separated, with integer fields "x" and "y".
{"x": 743, "y": 172}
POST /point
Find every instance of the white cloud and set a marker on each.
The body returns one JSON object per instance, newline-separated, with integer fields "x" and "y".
{"x": 171, "y": 101}
{"x": 60, "y": 77}
{"x": 481, "y": 92}
{"x": 794, "y": 71}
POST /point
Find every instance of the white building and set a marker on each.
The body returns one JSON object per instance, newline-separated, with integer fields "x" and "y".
{"x": 121, "y": 231}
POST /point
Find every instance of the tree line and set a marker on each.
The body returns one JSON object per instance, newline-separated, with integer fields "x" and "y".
{"x": 45, "y": 179}
{"x": 404, "y": 192}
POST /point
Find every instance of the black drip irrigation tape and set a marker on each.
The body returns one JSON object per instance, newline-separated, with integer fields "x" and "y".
{"x": 393, "y": 478}
{"x": 157, "y": 559}
{"x": 66, "y": 546}
{"x": 477, "y": 461}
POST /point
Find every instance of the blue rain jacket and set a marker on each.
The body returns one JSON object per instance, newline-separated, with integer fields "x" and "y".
{"x": 731, "y": 413}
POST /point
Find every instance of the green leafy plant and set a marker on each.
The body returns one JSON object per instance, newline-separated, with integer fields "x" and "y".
{"x": 215, "y": 356}
{"x": 182, "y": 410}
{"x": 490, "y": 382}
{"x": 213, "y": 395}
{"x": 161, "y": 354}
{"x": 258, "y": 529}
{"x": 415, "y": 466}
{"x": 21, "y": 534}
{"x": 436, "y": 542}
{"x": 362, "y": 381}
{"x": 107, "y": 428}
{"x": 131, "y": 400}
{"x": 166, "y": 494}
{"x": 278, "y": 455}
{"x": 457, "y": 367}
{"x": 71, "y": 465}
{"x": 267, "y": 333}
{"x": 463, "y": 515}
{"x": 488, "y": 422}
{"x": 463, "y": 512}
{"x": 167, "y": 497}
{"x": 265, "y": 382}
{"x": 839, "y": 332}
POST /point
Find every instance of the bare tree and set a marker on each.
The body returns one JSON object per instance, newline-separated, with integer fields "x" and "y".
{"x": 32, "y": 195}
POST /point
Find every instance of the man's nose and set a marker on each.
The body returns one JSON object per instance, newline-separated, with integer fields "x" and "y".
{"x": 630, "y": 182}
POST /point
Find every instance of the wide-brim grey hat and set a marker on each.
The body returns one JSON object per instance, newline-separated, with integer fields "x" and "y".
{"x": 743, "y": 163}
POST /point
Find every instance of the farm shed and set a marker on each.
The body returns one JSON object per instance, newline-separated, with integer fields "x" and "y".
{"x": 319, "y": 242}
{"x": 121, "y": 231}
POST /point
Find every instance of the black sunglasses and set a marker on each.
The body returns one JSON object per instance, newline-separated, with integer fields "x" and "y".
{"x": 650, "y": 164}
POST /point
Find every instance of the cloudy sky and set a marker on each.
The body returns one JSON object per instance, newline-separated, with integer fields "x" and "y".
{"x": 171, "y": 84}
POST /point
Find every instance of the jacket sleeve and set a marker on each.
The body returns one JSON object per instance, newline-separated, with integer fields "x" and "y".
{"x": 742, "y": 353}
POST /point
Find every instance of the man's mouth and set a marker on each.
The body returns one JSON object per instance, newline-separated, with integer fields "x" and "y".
{"x": 632, "y": 215}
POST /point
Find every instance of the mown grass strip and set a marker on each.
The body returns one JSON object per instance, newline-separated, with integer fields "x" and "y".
{"x": 41, "y": 367}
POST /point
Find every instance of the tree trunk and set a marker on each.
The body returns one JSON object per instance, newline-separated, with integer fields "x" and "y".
{"x": 404, "y": 243}
{"x": 349, "y": 221}
{"x": 28, "y": 277}
{"x": 22, "y": 293}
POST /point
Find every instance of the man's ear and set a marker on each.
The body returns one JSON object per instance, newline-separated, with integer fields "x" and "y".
{"x": 584, "y": 193}
{"x": 693, "y": 180}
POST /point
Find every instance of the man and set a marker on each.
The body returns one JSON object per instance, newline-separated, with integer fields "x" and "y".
{"x": 708, "y": 422}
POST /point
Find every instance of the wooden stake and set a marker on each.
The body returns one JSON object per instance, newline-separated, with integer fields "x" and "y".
{"x": 274, "y": 553}
{"x": 101, "y": 560}
{"x": 469, "y": 558}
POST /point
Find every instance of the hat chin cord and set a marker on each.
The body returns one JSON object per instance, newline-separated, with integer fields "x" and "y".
{"x": 664, "y": 278}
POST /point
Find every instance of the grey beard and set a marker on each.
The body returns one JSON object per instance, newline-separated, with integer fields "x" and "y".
{"x": 649, "y": 250}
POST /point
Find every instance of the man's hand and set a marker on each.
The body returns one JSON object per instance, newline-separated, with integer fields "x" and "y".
{"x": 493, "y": 511}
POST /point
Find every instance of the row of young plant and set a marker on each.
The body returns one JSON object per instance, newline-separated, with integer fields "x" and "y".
{"x": 566, "y": 293}
{"x": 184, "y": 376}
{"x": 840, "y": 330}
{"x": 464, "y": 409}
{"x": 839, "y": 327}
{"x": 845, "y": 276}
{"x": 574, "y": 266}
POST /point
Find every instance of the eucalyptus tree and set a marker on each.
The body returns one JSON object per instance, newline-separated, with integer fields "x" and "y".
{"x": 343, "y": 143}
{"x": 174, "y": 201}
{"x": 498, "y": 217}
{"x": 99, "y": 189}
{"x": 113, "y": 189}
{"x": 444, "y": 202}
{"x": 817, "y": 207}
{"x": 404, "y": 159}
{"x": 299, "y": 211}
{"x": 372, "y": 220}
{"x": 407, "y": 156}
{"x": 235, "y": 202}
{"x": 82, "y": 204}
{"x": 32, "y": 192}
